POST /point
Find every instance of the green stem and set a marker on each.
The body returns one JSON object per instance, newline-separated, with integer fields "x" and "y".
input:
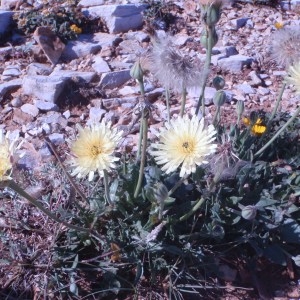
{"x": 14, "y": 186}
{"x": 183, "y": 101}
{"x": 276, "y": 104}
{"x": 294, "y": 116}
{"x": 168, "y": 103}
{"x": 142, "y": 90}
{"x": 142, "y": 87}
{"x": 193, "y": 210}
{"x": 106, "y": 187}
{"x": 143, "y": 154}
{"x": 216, "y": 118}
{"x": 205, "y": 70}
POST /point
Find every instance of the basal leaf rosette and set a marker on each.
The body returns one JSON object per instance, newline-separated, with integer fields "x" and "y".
{"x": 93, "y": 151}
{"x": 184, "y": 143}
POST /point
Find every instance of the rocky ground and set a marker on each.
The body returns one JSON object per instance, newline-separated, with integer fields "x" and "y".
{"x": 45, "y": 94}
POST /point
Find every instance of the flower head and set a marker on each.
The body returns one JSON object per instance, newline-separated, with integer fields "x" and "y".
{"x": 93, "y": 150}
{"x": 285, "y": 46}
{"x": 173, "y": 69}
{"x": 184, "y": 142}
{"x": 6, "y": 154}
{"x": 294, "y": 76}
{"x": 76, "y": 29}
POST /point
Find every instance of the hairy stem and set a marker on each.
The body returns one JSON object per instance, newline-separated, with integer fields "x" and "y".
{"x": 183, "y": 101}
{"x": 106, "y": 187}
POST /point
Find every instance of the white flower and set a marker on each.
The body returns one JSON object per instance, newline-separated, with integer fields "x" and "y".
{"x": 184, "y": 142}
{"x": 94, "y": 150}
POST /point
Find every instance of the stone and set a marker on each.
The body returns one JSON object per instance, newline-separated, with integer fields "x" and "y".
{"x": 16, "y": 102}
{"x": 89, "y": 3}
{"x": 46, "y": 88}
{"x": 118, "y": 18}
{"x": 50, "y": 43}
{"x": 21, "y": 117}
{"x": 114, "y": 79}
{"x": 129, "y": 46}
{"x": 12, "y": 71}
{"x": 38, "y": 69}
{"x": 295, "y": 4}
{"x": 235, "y": 63}
{"x": 8, "y": 87}
{"x": 5, "y": 22}
{"x": 8, "y": 4}
{"x": 246, "y": 89}
{"x": 100, "y": 65}
{"x": 57, "y": 138}
{"x": 209, "y": 93}
{"x": 45, "y": 105}
{"x": 239, "y": 23}
{"x": 30, "y": 109}
{"x": 84, "y": 77}
{"x": 139, "y": 36}
{"x": 89, "y": 44}
{"x": 95, "y": 115}
{"x": 263, "y": 91}
{"x": 181, "y": 39}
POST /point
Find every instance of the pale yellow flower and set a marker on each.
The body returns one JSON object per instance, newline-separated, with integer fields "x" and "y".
{"x": 294, "y": 76}
{"x": 184, "y": 142}
{"x": 6, "y": 154}
{"x": 76, "y": 29}
{"x": 94, "y": 150}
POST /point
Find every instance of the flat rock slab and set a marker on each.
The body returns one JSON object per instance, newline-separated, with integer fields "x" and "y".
{"x": 118, "y": 18}
{"x": 9, "y": 86}
{"x": 85, "y": 77}
{"x": 235, "y": 63}
{"x": 88, "y": 3}
{"x": 89, "y": 44}
{"x": 114, "y": 79}
{"x": 46, "y": 88}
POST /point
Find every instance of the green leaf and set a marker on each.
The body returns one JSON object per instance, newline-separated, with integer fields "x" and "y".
{"x": 275, "y": 254}
{"x": 290, "y": 231}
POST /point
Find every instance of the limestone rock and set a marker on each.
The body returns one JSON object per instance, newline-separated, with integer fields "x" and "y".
{"x": 30, "y": 109}
{"x": 85, "y": 77}
{"x": 235, "y": 63}
{"x": 9, "y": 87}
{"x": 38, "y": 69}
{"x": 114, "y": 79}
{"x": 88, "y": 3}
{"x": 5, "y": 22}
{"x": 46, "y": 88}
{"x": 118, "y": 18}
{"x": 100, "y": 65}
{"x": 50, "y": 43}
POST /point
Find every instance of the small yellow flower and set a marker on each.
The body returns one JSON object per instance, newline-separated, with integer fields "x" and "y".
{"x": 93, "y": 150}
{"x": 6, "y": 153}
{"x": 184, "y": 142}
{"x": 278, "y": 25}
{"x": 257, "y": 128}
{"x": 294, "y": 76}
{"x": 76, "y": 29}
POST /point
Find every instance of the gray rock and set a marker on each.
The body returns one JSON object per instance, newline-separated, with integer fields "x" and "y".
{"x": 8, "y": 4}
{"x": 12, "y": 71}
{"x": 16, "y": 102}
{"x": 246, "y": 89}
{"x": 57, "y": 138}
{"x": 89, "y": 3}
{"x": 100, "y": 65}
{"x": 89, "y": 44}
{"x": 5, "y": 21}
{"x": 30, "y": 109}
{"x": 9, "y": 86}
{"x": 235, "y": 63}
{"x": 255, "y": 78}
{"x": 95, "y": 115}
{"x": 130, "y": 46}
{"x": 295, "y": 4}
{"x": 137, "y": 35}
{"x": 46, "y": 88}
{"x": 114, "y": 79}
{"x": 118, "y": 18}
{"x": 38, "y": 69}
{"x": 85, "y": 77}
{"x": 263, "y": 91}
{"x": 181, "y": 39}
{"x": 45, "y": 105}
{"x": 193, "y": 93}
{"x": 239, "y": 23}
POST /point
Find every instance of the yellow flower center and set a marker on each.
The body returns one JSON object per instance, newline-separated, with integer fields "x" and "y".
{"x": 96, "y": 150}
{"x": 188, "y": 147}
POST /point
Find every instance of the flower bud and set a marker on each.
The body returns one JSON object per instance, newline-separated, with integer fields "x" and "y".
{"x": 219, "y": 98}
{"x": 218, "y": 82}
{"x": 204, "y": 38}
{"x": 240, "y": 107}
{"x": 136, "y": 71}
{"x": 249, "y": 212}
